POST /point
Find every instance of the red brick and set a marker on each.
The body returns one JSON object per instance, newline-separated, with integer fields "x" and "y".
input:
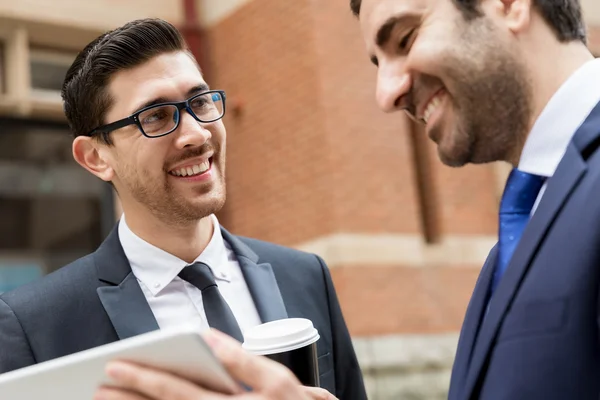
{"x": 396, "y": 299}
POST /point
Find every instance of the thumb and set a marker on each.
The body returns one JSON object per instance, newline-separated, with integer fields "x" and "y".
{"x": 258, "y": 372}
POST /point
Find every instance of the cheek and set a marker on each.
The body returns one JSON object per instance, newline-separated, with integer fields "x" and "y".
{"x": 144, "y": 161}
{"x": 219, "y": 134}
{"x": 151, "y": 165}
{"x": 437, "y": 44}
{"x": 431, "y": 39}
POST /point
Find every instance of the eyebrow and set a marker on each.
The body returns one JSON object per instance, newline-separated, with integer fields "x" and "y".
{"x": 202, "y": 87}
{"x": 385, "y": 31}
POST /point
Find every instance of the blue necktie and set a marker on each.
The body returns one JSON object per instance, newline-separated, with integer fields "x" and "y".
{"x": 517, "y": 201}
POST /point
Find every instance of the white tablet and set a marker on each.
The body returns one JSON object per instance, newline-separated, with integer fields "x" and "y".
{"x": 77, "y": 376}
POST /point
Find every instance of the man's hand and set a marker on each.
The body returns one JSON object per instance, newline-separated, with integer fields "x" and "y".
{"x": 318, "y": 393}
{"x": 269, "y": 380}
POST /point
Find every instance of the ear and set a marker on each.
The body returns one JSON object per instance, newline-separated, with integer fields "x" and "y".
{"x": 93, "y": 156}
{"x": 515, "y": 14}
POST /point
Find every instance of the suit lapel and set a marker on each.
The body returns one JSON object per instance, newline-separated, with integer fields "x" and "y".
{"x": 471, "y": 324}
{"x": 121, "y": 295}
{"x": 560, "y": 186}
{"x": 569, "y": 173}
{"x": 260, "y": 280}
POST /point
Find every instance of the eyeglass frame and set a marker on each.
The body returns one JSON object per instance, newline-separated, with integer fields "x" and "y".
{"x": 133, "y": 119}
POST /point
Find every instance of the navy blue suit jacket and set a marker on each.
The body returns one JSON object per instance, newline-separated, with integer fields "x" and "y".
{"x": 97, "y": 300}
{"x": 539, "y": 339}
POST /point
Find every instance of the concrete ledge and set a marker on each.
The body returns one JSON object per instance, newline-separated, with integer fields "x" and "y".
{"x": 406, "y": 352}
{"x": 421, "y": 386}
{"x": 346, "y": 249}
{"x": 212, "y": 12}
{"x": 411, "y": 367}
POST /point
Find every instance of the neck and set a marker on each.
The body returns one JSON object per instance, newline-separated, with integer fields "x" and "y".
{"x": 185, "y": 241}
{"x": 552, "y": 67}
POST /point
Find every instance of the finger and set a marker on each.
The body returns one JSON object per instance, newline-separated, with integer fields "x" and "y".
{"x": 260, "y": 373}
{"x": 154, "y": 385}
{"x": 319, "y": 393}
{"x": 111, "y": 393}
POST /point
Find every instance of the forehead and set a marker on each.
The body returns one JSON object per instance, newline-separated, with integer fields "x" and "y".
{"x": 168, "y": 75}
{"x": 375, "y": 13}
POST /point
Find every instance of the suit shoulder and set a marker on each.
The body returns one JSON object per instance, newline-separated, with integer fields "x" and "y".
{"x": 62, "y": 282}
{"x": 270, "y": 250}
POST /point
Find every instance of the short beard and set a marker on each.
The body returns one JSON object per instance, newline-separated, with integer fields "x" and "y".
{"x": 492, "y": 96}
{"x": 168, "y": 208}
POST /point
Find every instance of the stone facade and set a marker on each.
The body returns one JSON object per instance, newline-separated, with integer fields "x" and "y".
{"x": 407, "y": 367}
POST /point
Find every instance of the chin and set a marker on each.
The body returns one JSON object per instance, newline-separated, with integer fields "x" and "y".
{"x": 208, "y": 204}
{"x": 453, "y": 157}
{"x": 456, "y": 148}
{"x": 453, "y": 163}
{"x": 189, "y": 210}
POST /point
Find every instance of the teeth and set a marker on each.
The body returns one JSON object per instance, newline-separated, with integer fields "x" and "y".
{"x": 433, "y": 104}
{"x": 192, "y": 170}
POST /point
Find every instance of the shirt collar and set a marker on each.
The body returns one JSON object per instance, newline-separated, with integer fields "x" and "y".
{"x": 565, "y": 112}
{"x": 156, "y": 268}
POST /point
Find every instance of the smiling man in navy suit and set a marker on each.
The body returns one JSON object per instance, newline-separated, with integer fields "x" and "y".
{"x": 145, "y": 120}
{"x": 513, "y": 81}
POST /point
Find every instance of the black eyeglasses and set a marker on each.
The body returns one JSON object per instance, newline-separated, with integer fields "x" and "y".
{"x": 161, "y": 119}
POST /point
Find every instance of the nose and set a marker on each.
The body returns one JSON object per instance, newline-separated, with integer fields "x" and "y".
{"x": 393, "y": 84}
{"x": 191, "y": 132}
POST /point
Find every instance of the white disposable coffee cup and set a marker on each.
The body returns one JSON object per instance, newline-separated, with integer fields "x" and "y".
{"x": 279, "y": 336}
{"x": 292, "y": 342}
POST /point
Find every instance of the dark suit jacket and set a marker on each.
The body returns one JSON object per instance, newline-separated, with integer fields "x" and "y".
{"x": 97, "y": 300}
{"x": 539, "y": 339}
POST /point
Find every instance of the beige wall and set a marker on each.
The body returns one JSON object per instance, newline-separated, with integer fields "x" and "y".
{"x": 211, "y": 11}
{"x": 91, "y": 14}
{"x": 71, "y": 24}
{"x": 591, "y": 10}
{"x": 101, "y": 15}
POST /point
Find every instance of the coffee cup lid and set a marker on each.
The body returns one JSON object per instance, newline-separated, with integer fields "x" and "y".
{"x": 279, "y": 336}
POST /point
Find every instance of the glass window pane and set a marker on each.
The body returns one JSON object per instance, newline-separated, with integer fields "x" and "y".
{"x": 48, "y": 68}
{"x": 52, "y": 210}
{"x": 2, "y": 70}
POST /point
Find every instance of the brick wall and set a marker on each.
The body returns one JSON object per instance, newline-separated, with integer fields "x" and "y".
{"x": 279, "y": 168}
{"x": 387, "y": 300}
{"x": 310, "y": 155}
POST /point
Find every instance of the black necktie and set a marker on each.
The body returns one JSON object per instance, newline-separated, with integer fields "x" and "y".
{"x": 217, "y": 311}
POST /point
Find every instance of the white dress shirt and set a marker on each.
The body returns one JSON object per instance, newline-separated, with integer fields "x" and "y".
{"x": 175, "y": 302}
{"x": 565, "y": 112}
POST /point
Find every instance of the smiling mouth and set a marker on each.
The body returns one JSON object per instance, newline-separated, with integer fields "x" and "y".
{"x": 192, "y": 170}
{"x": 433, "y": 104}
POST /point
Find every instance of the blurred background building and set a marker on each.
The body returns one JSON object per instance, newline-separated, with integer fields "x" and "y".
{"x": 312, "y": 164}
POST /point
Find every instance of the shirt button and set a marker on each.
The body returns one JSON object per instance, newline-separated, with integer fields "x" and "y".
{"x": 156, "y": 285}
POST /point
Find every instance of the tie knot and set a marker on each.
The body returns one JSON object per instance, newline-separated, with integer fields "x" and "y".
{"x": 199, "y": 275}
{"x": 520, "y": 192}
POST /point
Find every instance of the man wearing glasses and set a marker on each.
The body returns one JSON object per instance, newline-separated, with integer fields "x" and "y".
{"x": 146, "y": 121}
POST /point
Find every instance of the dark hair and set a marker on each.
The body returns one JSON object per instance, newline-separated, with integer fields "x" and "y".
{"x": 84, "y": 90}
{"x": 564, "y": 16}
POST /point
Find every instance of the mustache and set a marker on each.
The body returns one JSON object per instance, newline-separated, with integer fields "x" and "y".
{"x": 409, "y": 104}
{"x": 191, "y": 153}
{"x": 420, "y": 87}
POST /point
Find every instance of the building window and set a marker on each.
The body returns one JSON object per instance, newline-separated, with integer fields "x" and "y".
{"x": 2, "y": 70}
{"x": 48, "y": 68}
{"x": 52, "y": 210}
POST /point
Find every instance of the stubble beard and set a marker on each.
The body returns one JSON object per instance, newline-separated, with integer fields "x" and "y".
{"x": 171, "y": 208}
{"x": 492, "y": 99}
